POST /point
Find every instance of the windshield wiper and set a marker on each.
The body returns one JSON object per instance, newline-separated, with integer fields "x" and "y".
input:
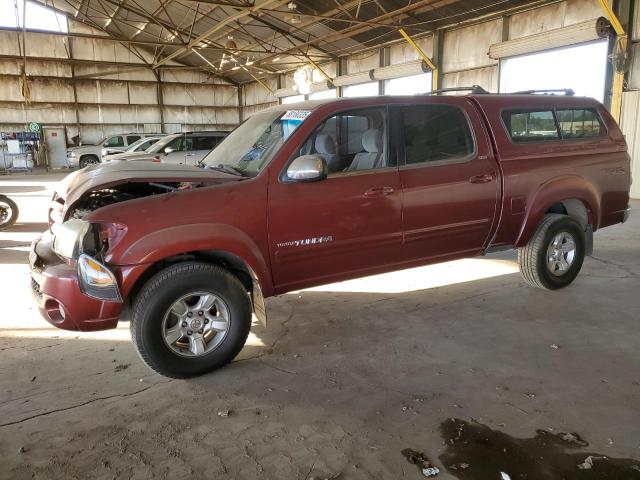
{"x": 225, "y": 167}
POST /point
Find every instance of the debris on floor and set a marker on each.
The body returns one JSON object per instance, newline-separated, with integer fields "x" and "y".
{"x": 224, "y": 413}
{"x": 504, "y": 476}
{"x": 121, "y": 367}
{"x": 573, "y": 438}
{"x": 459, "y": 466}
{"x": 588, "y": 462}
{"x": 419, "y": 459}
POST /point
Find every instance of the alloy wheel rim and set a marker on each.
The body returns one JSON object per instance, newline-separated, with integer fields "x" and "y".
{"x": 561, "y": 253}
{"x": 5, "y": 212}
{"x": 196, "y": 324}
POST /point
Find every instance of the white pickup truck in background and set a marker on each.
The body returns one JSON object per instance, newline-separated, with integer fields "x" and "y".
{"x": 91, "y": 154}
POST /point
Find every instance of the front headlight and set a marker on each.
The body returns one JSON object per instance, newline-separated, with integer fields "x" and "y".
{"x": 72, "y": 238}
{"x": 71, "y": 153}
{"x": 96, "y": 280}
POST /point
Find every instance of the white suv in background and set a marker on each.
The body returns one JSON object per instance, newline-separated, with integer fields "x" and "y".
{"x": 92, "y": 154}
{"x": 136, "y": 148}
{"x": 186, "y": 148}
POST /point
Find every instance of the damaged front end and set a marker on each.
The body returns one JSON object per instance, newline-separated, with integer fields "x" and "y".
{"x": 77, "y": 240}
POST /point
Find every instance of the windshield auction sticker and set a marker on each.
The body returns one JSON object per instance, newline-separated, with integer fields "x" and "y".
{"x": 299, "y": 115}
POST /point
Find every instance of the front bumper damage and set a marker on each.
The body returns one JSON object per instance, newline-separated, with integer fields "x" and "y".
{"x": 56, "y": 291}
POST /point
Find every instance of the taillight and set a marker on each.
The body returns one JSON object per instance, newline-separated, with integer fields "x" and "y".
{"x": 156, "y": 159}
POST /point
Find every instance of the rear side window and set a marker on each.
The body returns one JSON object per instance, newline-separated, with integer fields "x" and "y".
{"x": 434, "y": 133}
{"x": 132, "y": 138}
{"x": 580, "y": 123}
{"x": 531, "y": 126}
{"x": 206, "y": 143}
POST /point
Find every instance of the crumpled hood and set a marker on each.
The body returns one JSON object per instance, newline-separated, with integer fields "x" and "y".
{"x": 74, "y": 185}
{"x": 84, "y": 148}
{"x": 130, "y": 156}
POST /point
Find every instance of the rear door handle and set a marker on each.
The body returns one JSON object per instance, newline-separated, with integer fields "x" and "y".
{"x": 379, "y": 191}
{"x": 486, "y": 178}
{"x": 189, "y": 154}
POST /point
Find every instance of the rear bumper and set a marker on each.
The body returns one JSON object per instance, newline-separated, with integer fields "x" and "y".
{"x": 55, "y": 289}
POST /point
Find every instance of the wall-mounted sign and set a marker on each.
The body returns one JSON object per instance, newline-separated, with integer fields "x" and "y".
{"x": 34, "y": 127}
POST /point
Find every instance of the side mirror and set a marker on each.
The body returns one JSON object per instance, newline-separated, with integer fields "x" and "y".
{"x": 168, "y": 150}
{"x": 307, "y": 168}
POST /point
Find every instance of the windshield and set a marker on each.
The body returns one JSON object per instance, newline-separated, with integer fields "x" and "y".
{"x": 134, "y": 146}
{"x": 160, "y": 144}
{"x": 251, "y": 146}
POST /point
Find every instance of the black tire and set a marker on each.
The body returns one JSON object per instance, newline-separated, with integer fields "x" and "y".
{"x": 87, "y": 160}
{"x": 8, "y": 212}
{"x": 159, "y": 294}
{"x": 532, "y": 258}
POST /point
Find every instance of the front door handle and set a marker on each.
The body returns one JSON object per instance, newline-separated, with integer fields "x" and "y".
{"x": 486, "y": 178}
{"x": 379, "y": 191}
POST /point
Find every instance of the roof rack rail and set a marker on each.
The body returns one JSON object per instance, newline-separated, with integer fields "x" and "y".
{"x": 474, "y": 89}
{"x": 569, "y": 92}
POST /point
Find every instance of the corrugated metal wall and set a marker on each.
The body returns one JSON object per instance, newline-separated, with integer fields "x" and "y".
{"x": 128, "y": 101}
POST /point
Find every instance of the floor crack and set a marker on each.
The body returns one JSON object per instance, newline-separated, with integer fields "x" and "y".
{"x": 93, "y": 400}
{"x": 617, "y": 265}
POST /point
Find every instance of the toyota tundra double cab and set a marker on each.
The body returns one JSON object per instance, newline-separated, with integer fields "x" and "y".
{"x": 324, "y": 191}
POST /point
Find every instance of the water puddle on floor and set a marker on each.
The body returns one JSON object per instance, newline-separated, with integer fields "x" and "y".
{"x": 476, "y": 452}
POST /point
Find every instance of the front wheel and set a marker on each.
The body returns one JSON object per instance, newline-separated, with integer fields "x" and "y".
{"x": 88, "y": 160}
{"x": 189, "y": 319}
{"x": 553, "y": 257}
{"x": 8, "y": 212}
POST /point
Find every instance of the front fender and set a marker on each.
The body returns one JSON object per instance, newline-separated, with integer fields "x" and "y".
{"x": 168, "y": 242}
{"x": 555, "y": 191}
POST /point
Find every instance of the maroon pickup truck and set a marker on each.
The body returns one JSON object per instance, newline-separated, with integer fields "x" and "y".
{"x": 318, "y": 192}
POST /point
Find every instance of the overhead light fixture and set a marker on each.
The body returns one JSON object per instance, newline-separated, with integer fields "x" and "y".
{"x": 293, "y": 19}
{"x": 303, "y": 77}
{"x": 108, "y": 22}
{"x": 236, "y": 68}
{"x": 275, "y": 59}
{"x": 250, "y": 61}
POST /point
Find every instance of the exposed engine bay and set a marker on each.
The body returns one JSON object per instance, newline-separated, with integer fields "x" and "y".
{"x": 121, "y": 193}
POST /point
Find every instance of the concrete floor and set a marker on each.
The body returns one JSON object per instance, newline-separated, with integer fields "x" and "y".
{"x": 345, "y": 377}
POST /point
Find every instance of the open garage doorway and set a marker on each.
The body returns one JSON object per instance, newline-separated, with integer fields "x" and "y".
{"x": 580, "y": 67}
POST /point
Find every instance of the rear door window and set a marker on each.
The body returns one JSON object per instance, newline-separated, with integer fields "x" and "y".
{"x": 132, "y": 138}
{"x": 580, "y": 123}
{"x": 434, "y": 133}
{"x": 531, "y": 126}
{"x": 205, "y": 143}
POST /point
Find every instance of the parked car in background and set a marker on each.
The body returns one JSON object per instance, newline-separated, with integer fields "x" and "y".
{"x": 324, "y": 191}
{"x": 140, "y": 146}
{"x": 186, "y": 148}
{"x": 85, "y": 155}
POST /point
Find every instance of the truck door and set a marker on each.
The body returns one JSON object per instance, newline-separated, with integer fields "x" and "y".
{"x": 348, "y": 224}
{"x": 449, "y": 179}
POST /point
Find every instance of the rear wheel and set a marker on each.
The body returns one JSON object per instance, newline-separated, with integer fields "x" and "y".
{"x": 8, "y": 212}
{"x": 553, "y": 257}
{"x": 89, "y": 160}
{"x": 189, "y": 319}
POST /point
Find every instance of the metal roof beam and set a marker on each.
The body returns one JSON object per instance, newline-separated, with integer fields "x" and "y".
{"x": 245, "y": 11}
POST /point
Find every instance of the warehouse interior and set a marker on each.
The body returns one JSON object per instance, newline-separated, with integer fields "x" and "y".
{"x": 455, "y": 367}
